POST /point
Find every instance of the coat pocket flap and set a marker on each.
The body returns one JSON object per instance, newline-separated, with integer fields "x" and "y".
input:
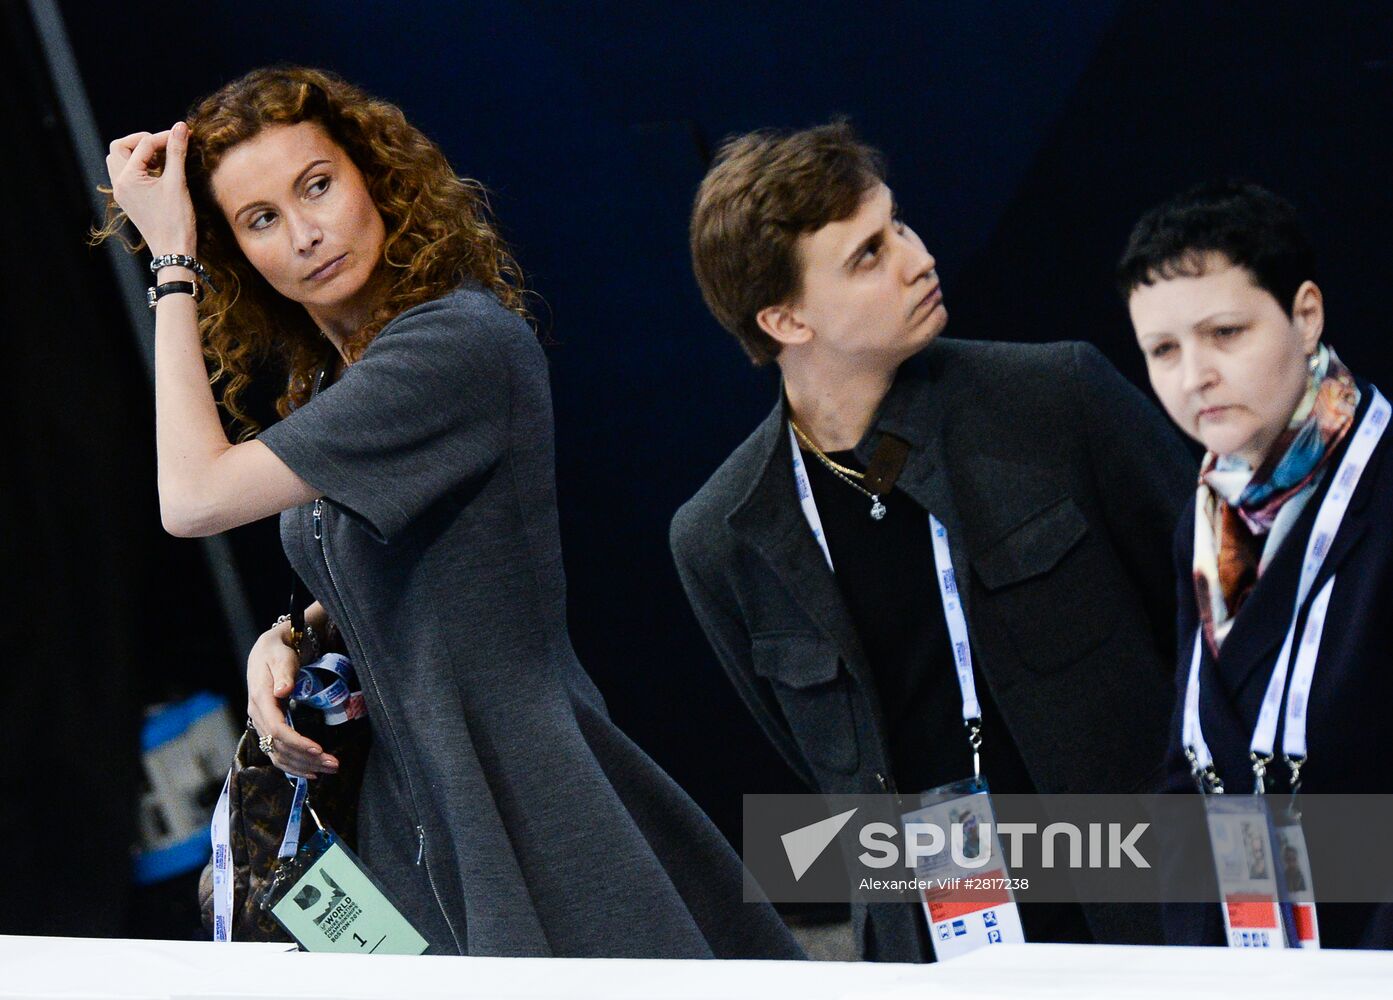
{"x": 1033, "y": 547}
{"x": 795, "y": 659}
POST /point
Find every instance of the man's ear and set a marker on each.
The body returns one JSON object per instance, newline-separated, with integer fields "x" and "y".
{"x": 1308, "y": 313}
{"x": 784, "y": 324}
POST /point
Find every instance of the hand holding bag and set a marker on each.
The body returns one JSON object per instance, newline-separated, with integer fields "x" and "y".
{"x": 259, "y": 802}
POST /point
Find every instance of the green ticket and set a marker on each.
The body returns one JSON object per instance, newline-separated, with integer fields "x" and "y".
{"x": 334, "y": 906}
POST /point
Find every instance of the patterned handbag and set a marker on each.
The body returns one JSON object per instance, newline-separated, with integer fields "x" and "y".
{"x": 259, "y": 804}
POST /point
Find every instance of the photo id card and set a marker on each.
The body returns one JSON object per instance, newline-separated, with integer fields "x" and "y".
{"x": 1251, "y": 898}
{"x": 960, "y": 870}
{"x": 334, "y": 905}
{"x": 1294, "y": 866}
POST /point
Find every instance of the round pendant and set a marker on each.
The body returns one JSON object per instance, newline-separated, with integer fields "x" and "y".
{"x": 877, "y": 509}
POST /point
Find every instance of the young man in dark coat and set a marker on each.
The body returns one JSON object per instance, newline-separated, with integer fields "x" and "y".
{"x": 1057, "y": 485}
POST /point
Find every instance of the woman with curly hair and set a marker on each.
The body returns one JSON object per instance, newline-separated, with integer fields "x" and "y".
{"x": 416, "y": 493}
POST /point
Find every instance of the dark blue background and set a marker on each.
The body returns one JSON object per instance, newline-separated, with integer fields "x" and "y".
{"x": 1023, "y": 140}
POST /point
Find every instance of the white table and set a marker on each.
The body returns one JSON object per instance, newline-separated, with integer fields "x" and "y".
{"x": 39, "y": 967}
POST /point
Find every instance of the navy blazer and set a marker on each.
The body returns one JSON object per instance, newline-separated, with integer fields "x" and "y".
{"x": 1347, "y": 721}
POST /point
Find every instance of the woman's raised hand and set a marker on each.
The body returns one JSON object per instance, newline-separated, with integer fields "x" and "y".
{"x": 271, "y": 670}
{"x": 147, "y": 181}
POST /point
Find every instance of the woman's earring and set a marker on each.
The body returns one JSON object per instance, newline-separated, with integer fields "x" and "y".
{"x": 1313, "y": 363}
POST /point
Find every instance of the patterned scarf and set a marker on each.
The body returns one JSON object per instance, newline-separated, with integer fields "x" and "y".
{"x": 1246, "y": 514}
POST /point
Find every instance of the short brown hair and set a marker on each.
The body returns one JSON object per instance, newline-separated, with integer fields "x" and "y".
{"x": 764, "y": 190}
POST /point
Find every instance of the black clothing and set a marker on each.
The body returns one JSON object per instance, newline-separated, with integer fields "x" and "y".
{"x": 1346, "y": 724}
{"x": 1058, "y": 485}
{"x": 885, "y": 572}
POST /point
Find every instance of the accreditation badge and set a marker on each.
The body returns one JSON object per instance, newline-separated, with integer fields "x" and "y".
{"x": 327, "y": 901}
{"x": 1294, "y": 867}
{"x": 960, "y": 870}
{"x": 1251, "y": 893}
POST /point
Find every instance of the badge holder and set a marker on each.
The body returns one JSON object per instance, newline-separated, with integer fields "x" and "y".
{"x": 964, "y": 885}
{"x": 1294, "y": 864}
{"x": 327, "y": 900}
{"x": 1253, "y": 896}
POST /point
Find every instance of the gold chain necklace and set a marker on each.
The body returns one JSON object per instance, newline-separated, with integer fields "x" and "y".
{"x": 848, "y": 476}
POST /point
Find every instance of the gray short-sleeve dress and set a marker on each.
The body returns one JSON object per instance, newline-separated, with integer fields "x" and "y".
{"x": 501, "y": 805}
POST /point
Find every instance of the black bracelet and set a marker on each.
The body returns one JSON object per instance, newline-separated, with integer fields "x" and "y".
{"x": 182, "y": 260}
{"x": 153, "y": 295}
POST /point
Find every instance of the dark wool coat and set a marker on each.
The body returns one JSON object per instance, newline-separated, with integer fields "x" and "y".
{"x": 501, "y": 806}
{"x": 1059, "y": 486}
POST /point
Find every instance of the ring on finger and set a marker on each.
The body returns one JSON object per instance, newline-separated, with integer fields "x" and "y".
{"x": 267, "y": 744}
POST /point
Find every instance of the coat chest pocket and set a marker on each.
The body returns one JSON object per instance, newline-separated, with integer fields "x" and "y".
{"x": 806, "y": 674}
{"x": 1048, "y": 581}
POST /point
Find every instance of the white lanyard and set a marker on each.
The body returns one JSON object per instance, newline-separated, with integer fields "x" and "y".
{"x": 1327, "y": 524}
{"x": 947, "y": 592}
{"x": 222, "y": 866}
{"x": 805, "y": 498}
{"x": 219, "y": 832}
{"x": 957, "y": 621}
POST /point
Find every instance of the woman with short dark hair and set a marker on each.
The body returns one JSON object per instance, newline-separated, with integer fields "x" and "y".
{"x": 1284, "y": 561}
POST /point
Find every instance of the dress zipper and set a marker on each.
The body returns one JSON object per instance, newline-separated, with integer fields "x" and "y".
{"x": 366, "y": 675}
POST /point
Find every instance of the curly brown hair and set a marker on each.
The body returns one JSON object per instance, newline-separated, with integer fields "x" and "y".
{"x": 440, "y": 229}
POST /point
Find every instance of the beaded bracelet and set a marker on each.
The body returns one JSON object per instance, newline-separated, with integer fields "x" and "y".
{"x": 183, "y": 260}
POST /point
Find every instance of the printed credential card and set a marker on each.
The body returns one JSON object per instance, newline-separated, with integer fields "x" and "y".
{"x": 335, "y": 907}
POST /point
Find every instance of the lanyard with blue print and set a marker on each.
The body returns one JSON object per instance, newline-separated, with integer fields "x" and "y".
{"x": 981, "y": 908}
{"x": 1242, "y": 833}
